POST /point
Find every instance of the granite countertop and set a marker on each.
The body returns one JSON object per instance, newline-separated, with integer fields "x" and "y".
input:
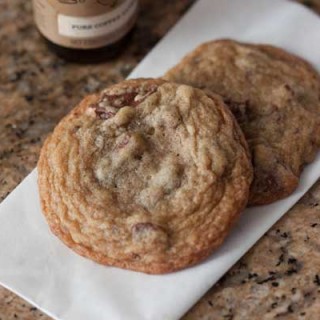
{"x": 279, "y": 278}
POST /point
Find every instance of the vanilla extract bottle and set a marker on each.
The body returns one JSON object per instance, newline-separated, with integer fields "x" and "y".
{"x": 85, "y": 30}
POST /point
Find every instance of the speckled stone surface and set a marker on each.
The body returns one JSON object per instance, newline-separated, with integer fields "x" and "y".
{"x": 278, "y": 279}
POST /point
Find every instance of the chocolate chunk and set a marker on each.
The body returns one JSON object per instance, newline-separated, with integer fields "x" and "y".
{"x": 130, "y": 99}
{"x": 103, "y": 114}
{"x": 121, "y": 100}
{"x": 266, "y": 182}
{"x": 239, "y": 109}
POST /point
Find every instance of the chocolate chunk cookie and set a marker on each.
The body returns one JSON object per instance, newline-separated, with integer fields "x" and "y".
{"x": 147, "y": 175}
{"x": 275, "y": 97}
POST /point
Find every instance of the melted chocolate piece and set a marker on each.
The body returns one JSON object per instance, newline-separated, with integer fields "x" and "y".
{"x": 239, "y": 109}
{"x": 102, "y": 113}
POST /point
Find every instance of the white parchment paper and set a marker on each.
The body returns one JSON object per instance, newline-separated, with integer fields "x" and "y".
{"x": 38, "y": 267}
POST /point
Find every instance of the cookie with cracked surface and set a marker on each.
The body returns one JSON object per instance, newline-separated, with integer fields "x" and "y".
{"x": 133, "y": 177}
{"x": 275, "y": 97}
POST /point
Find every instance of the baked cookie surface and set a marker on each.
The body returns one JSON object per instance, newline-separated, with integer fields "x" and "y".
{"x": 147, "y": 175}
{"x": 275, "y": 96}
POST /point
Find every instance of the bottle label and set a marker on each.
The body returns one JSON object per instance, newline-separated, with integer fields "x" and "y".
{"x": 84, "y": 24}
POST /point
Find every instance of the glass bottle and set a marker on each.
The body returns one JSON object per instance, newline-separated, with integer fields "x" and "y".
{"x": 85, "y": 30}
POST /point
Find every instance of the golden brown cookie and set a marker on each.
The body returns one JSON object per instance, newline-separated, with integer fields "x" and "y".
{"x": 147, "y": 175}
{"x": 275, "y": 97}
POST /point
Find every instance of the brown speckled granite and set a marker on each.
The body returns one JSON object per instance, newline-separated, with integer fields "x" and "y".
{"x": 278, "y": 279}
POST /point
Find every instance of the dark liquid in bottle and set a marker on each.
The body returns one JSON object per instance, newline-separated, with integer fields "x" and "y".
{"x": 90, "y": 55}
